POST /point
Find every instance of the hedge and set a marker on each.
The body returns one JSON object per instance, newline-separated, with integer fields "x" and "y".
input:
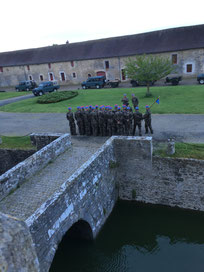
{"x": 56, "y": 97}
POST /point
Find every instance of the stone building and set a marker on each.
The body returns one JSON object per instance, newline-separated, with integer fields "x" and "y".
{"x": 71, "y": 63}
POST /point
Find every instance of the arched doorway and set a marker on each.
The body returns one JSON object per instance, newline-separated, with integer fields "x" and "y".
{"x": 101, "y": 73}
{"x": 77, "y": 238}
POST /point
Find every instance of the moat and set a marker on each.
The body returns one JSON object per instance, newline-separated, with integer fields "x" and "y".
{"x": 138, "y": 237}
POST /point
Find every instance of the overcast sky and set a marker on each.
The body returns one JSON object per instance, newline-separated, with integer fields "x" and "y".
{"x": 30, "y": 24}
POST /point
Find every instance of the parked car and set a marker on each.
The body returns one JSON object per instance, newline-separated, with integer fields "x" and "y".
{"x": 113, "y": 83}
{"x": 200, "y": 78}
{"x": 27, "y": 85}
{"x": 173, "y": 80}
{"x": 46, "y": 87}
{"x": 94, "y": 82}
{"x": 136, "y": 83}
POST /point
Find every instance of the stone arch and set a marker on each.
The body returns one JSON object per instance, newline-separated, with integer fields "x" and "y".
{"x": 80, "y": 230}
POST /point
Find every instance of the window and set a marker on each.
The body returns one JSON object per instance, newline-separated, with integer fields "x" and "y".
{"x": 189, "y": 68}
{"x": 30, "y": 77}
{"x": 123, "y": 74}
{"x": 174, "y": 59}
{"x": 74, "y": 75}
{"x": 1, "y": 70}
{"x": 41, "y": 78}
{"x": 28, "y": 67}
{"x": 72, "y": 63}
{"x": 51, "y": 76}
{"x": 49, "y": 65}
{"x": 62, "y": 76}
{"x": 107, "y": 64}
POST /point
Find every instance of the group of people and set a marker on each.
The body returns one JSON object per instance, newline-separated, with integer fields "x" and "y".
{"x": 107, "y": 121}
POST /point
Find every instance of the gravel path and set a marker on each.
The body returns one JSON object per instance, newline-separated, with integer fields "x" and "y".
{"x": 35, "y": 191}
{"x": 183, "y": 127}
{"x": 15, "y": 99}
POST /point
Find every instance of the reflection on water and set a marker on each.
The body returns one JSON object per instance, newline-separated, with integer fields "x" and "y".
{"x": 139, "y": 238}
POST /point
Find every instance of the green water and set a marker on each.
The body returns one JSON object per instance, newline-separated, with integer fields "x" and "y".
{"x": 139, "y": 238}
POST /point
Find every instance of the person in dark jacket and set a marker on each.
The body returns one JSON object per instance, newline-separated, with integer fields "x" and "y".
{"x": 148, "y": 120}
{"x": 78, "y": 117}
{"x": 135, "y": 101}
{"x": 137, "y": 117}
{"x": 70, "y": 118}
{"x": 125, "y": 100}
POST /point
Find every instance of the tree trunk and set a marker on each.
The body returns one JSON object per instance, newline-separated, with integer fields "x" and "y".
{"x": 148, "y": 93}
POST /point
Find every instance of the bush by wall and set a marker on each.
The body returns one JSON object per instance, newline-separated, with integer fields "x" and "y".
{"x": 56, "y": 97}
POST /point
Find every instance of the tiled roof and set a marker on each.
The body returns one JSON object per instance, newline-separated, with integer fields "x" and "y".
{"x": 169, "y": 40}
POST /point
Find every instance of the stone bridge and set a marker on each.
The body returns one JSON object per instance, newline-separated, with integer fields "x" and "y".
{"x": 62, "y": 187}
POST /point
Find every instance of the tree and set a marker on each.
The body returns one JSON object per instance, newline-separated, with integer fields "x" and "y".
{"x": 148, "y": 69}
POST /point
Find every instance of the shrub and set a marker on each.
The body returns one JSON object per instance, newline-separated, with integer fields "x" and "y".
{"x": 56, "y": 97}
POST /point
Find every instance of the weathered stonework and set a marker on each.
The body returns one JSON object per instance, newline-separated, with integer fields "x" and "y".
{"x": 166, "y": 181}
{"x": 17, "y": 251}
{"x": 42, "y": 139}
{"x": 89, "y": 194}
{"x": 123, "y": 167}
{"x": 13, "y": 178}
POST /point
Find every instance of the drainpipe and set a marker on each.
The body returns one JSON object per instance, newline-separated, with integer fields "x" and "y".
{"x": 119, "y": 68}
{"x": 25, "y": 72}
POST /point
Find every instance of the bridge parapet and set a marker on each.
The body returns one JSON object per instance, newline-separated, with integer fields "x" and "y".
{"x": 14, "y": 177}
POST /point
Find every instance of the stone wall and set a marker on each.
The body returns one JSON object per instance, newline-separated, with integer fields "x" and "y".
{"x": 10, "y": 157}
{"x": 17, "y": 252}
{"x": 12, "y": 75}
{"x": 122, "y": 167}
{"x": 10, "y": 180}
{"x": 166, "y": 181}
{"x": 42, "y": 139}
{"x": 89, "y": 194}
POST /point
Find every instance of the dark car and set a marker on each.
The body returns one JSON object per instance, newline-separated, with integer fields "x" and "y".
{"x": 94, "y": 82}
{"x": 200, "y": 78}
{"x": 173, "y": 80}
{"x": 46, "y": 87}
{"x": 136, "y": 83}
{"x": 27, "y": 85}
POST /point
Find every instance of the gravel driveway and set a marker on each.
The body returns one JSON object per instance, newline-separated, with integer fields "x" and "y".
{"x": 183, "y": 127}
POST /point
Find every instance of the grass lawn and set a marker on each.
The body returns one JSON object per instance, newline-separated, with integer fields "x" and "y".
{"x": 173, "y": 99}
{"x": 16, "y": 142}
{"x": 6, "y": 95}
{"x": 183, "y": 150}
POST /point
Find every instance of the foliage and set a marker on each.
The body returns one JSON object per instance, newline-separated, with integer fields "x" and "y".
{"x": 148, "y": 69}
{"x": 56, "y": 97}
{"x": 15, "y": 142}
{"x": 183, "y": 150}
{"x": 186, "y": 99}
